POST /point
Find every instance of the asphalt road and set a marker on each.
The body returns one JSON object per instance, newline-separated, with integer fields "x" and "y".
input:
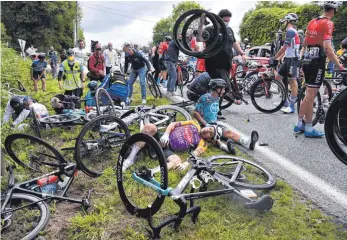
{"x": 307, "y": 164}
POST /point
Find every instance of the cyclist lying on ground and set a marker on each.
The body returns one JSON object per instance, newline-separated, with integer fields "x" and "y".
{"x": 61, "y": 102}
{"x": 200, "y": 86}
{"x": 19, "y": 108}
{"x": 206, "y": 110}
{"x": 178, "y": 137}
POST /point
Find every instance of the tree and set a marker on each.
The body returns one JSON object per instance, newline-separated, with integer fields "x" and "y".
{"x": 165, "y": 25}
{"x": 42, "y": 24}
{"x": 4, "y": 36}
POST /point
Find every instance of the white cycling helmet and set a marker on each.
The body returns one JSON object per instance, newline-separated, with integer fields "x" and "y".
{"x": 332, "y": 4}
{"x": 291, "y": 17}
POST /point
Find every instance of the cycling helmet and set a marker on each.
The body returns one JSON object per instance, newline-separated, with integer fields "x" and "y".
{"x": 344, "y": 43}
{"x": 245, "y": 40}
{"x": 217, "y": 83}
{"x": 42, "y": 55}
{"x": 168, "y": 38}
{"x": 16, "y": 103}
{"x": 301, "y": 32}
{"x": 332, "y": 4}
{"x": 92, "y": 85}
{"x": 218, "y": 131}
{"x": 291, "y": 17}
{"x": 224, "y": 13}
{"x": 70, "y": 52}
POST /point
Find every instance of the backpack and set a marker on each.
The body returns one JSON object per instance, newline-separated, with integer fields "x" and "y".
{"x": 116, "y": 85}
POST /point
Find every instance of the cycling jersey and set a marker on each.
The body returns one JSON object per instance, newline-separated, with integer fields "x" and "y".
{"x": 163, "y": 48}
{"x": 319, "y": 30}
{"x": 185, "y": 134}
{"x": 38, "y": 66}
{"x": 18, "y": 114}
{"x": 208, "y": 107}
{"x": 40, "y": 110}
{"x": 292, "y": 41}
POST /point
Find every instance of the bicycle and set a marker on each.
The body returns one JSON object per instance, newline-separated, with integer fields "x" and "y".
{"x": 24, "y": 209}
{"x": 143, "y": 193}
{"x": 153, "y": 86}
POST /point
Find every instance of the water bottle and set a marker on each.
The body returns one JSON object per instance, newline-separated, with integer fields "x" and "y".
{"x": 48, "y": 184}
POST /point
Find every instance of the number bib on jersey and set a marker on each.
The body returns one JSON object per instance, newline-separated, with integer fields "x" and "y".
{"x": 313, "y": 53}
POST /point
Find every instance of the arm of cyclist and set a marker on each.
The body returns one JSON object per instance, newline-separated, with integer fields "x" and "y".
{"x": 22, "y": 116}
{"x": 200, "y": 119}
{"x": 331, "y": 54}
{"x": 8, "y": 112}
{"x": 238, "y": 49}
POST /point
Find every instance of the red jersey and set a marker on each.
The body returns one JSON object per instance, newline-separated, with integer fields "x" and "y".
{"x": 193, "y": 43}
{"x": 163, "y": 47}
{"x": 319, "y": 30}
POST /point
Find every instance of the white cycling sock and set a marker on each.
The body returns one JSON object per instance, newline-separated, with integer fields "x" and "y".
{"x": 245, "y": 141}
{"x": 308, "y": 127}
{"x": 130, "y": 159}
{"x": 299, "y": 123}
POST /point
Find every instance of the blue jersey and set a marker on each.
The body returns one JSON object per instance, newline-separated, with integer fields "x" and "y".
{"x": 38, "y": 66}
{"x": 208, "y": 107}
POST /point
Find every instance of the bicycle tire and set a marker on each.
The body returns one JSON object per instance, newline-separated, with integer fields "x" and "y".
{"x": 302, "y": 95}
{"x": 226, "y": 102}
{"x": 267, "y": 84}
{"x": 21, "y": 86}
{"x": 60, "y": 119}
{"x": 98, "y": 93}
{"x": 185, "y": 114}
{"x": 151, "y": 85}
{"x": 93, "y": 169}
{"x": 270, "y": 180}
{"x": 143, "y": 211}
{"x": 42, "y": 207}
{"x": 160, "y": 95}
{"x": 10, "y": 144}
{"x": 330, "y": 128}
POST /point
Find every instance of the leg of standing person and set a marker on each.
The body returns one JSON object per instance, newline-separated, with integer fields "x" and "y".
{"x": 131, "y": 81}
{"x": 173, "y": 76}
{"x": 142, "y": 75}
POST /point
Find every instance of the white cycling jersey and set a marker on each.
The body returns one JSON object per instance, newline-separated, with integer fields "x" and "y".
{"x": 39, "y": 109}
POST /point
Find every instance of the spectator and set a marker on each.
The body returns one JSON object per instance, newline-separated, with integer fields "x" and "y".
{"x": 38, "y": 71}
{"x": 81, "y": 55}
{"x": 53, "y": 60}
{"x": 96, "y": 65}
{"x": 72, "y": 73}
{"x": 63, "y": 56}
{"x": 111, "y": 57}
{"x": 171, "y": 59}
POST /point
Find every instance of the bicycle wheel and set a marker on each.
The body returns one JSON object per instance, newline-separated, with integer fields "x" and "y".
{"x": 98, "y": 143}
{"x": 242, "y": 173}
{"x": 320, "y": 105}
{"x": 160, "y": 95}
{"x": 152, "y": 85}
{"x": 138, "y": 199}
{"x": 227, "y": 101}
{"x": 273, "y": 98}
{"x": 25, "y": 223}
{"x": 104, "y": 102}
{"x": 60, "y": 119}
{"x": 173, "y": 113}
{"x": 33, "y": 153}
{"x": 336, "y": 126}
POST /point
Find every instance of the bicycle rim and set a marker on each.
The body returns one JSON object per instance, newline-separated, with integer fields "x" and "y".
{"x": 33, "y": 153}
{"x": 138, "y": 199}
{"x": 251, "y": 175}
{"x": 151, "y": 85}
{"x": 273, "y": 98}
{"x": 60, "y": 119}
{"x": 99, "y": 143}
{"x": 104, "y": 102}
{"x": 24, "y": 223}
{"x": 175, "y": 114}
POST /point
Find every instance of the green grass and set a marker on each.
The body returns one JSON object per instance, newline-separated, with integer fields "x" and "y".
{"x": 222, "y": 217}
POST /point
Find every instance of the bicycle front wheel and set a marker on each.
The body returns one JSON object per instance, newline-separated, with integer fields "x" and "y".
{"x": 268, "y": 95}
{"x": 152, "y": 85}
{"x": 99, "y": 143}
{"x": 104, "y": 102}
{"x": 242, "y": 173}
{"x": 149, "y": 164}
{"x": 25, "y": 223}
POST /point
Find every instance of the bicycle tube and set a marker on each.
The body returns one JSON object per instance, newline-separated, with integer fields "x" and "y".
{"x": 42, "y": 207}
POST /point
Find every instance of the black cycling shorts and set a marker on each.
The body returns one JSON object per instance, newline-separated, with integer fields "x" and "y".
{"x": 314, "y": 72}
{"x": 36, "y": 75}
{"x": 167, "y": 151}
{"x": 289, "y": 68}
{"x": 162, "y": 65}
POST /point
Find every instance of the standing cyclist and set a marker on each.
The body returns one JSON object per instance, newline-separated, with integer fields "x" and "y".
{"x": 218, "y": 66}
{"x": 317, "y": 46}
{"x": 38, "y": 71}
{"x": 289, "y": 69}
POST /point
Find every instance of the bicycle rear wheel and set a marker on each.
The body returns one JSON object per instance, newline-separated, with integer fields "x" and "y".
{"x": 25, "y": 223}
{"x": 33, "y": 153}
{"x": 273, "y": 98}
{"x": 98, "y": 143}
{"x": 104, "y": 102}
{"x": 242, "y": 173}
{"x": 336, "y": 126}
{"x": 320, "y": 107}
{"x": 138, "y": 199}
{"x": 60, "y": 119}
{"x": 152, "y": 85}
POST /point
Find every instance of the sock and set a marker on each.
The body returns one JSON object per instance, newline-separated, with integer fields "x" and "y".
{"x": 245, "y": 141}
{"x": 155, "y": 170}
{"x": 286, "y": 103}
{"x": 158, "y": 80}
{"x": 292, "y": 101}
{"x": 130, "y": 159}
{"x": 308, "y": 127}
{"x": 299, "y": 123}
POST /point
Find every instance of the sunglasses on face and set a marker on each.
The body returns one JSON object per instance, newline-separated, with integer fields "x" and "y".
{"x": 98, "y": 49}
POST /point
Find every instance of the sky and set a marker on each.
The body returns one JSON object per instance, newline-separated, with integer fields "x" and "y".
{"x": 133, "y": 21}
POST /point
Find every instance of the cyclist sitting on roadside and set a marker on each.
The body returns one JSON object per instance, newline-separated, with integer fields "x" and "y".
{"x": 317, "y": 46}
{"x": 19, "y": 108}
{"x": 61, "y": 102}
{"x": 200, "y": 86}
{"x": 206, "y": 110}
{"x": 289, "y": 70}
{"x": 38, "y": 71}
{"x": 178, "y": 137}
